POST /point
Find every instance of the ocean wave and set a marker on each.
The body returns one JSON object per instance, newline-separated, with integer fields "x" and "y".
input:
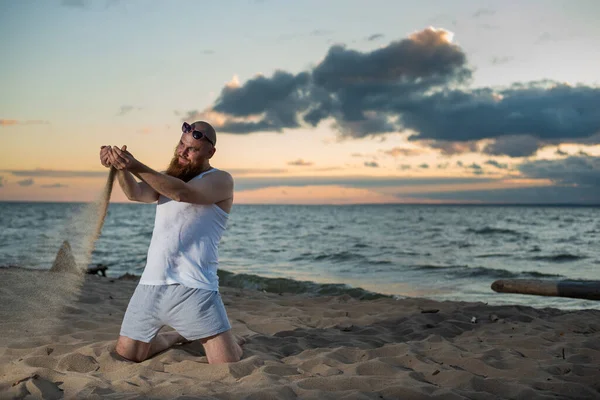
{"x": 563, "y": 257}
{"x": 341, "y": 256}
{"x": 463, "y": 271}
{"x": 493, "y": 255}
{"x": 285, "y": 285}
{"x": 488, "y": 230}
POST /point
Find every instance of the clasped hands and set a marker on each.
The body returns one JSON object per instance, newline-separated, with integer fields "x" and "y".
{"x": 112, "y": 156}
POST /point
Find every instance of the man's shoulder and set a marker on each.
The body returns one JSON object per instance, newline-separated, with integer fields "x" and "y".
{"x": 222, "y": 174}
{"x": 218, "y": 175}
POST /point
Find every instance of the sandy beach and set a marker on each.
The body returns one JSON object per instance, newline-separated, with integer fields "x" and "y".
{"x": 299, "y": 347}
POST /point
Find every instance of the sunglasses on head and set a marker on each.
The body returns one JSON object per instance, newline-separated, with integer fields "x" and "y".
{"x": 187, "y": 128}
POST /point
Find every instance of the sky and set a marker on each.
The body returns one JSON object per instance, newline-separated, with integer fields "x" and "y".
{"x": 314, "y": 102}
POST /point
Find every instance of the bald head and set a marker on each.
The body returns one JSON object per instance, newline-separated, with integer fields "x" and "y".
{"x": 206, "y": 129}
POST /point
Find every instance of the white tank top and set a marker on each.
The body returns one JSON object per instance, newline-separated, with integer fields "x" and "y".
{"x": 184, "y": 245}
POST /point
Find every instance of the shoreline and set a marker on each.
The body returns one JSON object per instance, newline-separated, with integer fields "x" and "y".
{"x": 325, "y": 347}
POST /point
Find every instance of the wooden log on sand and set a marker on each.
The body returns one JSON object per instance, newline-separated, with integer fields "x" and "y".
{"x": 564, "y": 288}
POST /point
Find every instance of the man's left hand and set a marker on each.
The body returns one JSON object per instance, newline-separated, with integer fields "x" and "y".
{"x": 122, "y": 159}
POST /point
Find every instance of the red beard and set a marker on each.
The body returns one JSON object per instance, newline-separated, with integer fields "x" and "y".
{"x": 183, "y": 172}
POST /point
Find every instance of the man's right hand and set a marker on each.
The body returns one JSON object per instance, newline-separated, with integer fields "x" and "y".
{"x": 104, "y": 156}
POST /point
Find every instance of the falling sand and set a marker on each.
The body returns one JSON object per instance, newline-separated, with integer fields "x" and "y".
{"x": 38, "y": 298}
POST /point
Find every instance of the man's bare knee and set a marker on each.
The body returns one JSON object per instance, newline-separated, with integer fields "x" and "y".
{"x": 132, "y": 350}
{"x": 222, "y": 348}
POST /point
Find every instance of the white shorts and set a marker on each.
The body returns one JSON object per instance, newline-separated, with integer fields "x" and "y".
{"x": 194, "y": 313}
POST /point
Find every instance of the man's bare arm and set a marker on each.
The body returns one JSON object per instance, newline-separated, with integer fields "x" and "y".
{"x": 211, "y": 189}
{"x": 136, "y": 191}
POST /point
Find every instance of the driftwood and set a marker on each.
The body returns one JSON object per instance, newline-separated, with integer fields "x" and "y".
{"x": 564, "y": 288}
{"x": 97, "y": 269}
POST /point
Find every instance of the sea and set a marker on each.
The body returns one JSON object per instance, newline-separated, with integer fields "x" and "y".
{"x": 440, "y": 252}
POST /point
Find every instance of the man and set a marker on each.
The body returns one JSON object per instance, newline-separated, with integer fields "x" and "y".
{"x": 179, "y": 285}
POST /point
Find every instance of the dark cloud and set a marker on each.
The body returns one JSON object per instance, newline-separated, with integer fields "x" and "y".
{"x": 496, "y": 164}
{"x": 513, "y": 146}
{"x": 300, "y": 163}
{"x": 560, "y": 152}
{"x": 54, "y": 186}
{"x": 527, "y": 195}
{"x": 375, "y": 37}
{"x": 418, "y": 84}
{"x": 573, "y": 170}
{"x": 404, "y": 167}
{"x": 371, "y": 164}
{"x": 25, "y": 182}
{"x": 459, "y": 163}
{"x": 451, "y": 148}
{"x": 208, "y": 51}
{"x": 1, "y": 181}
{"x": 543, "y": 110}
{"x": 279, "y": 99}
{"x": 476, "y": 169}
{"x": 350, "y": 86}
{"x": 424, "y": 166}
{"x": 59, "y": 174}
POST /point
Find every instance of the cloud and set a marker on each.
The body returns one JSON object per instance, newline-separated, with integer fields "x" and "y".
{"x": 424, "y": 166}
{"x": 25, "y": 182}
{"x": 1, "y": 181}
{"x": 573, "y": 170}
{"x": 451, "y": 148}
{"x": 256, "y": 171}
{"x": 526, "y": 195}
{"x": 418, "y": 85}
{"x": 482, "y": 12}
{"x": 501, "y": 60}
{"x": 496, "y": 164}
{"x": 59, "y": 174}
{"x": 208, "y": 51}
{"x": 13, "y": 122}
{"x": 54, "y": 186}
{"x": 513, "y": 146}
{"x": 248, "y": 183}
{"x": 559, "y": 152}
{"x": 349, "y": 86}
{"x": 321, "y": 32}
{"x": 404, "y": 167}
{"x": 476, "y": 168}
{"x": 375, "y": 37}
{"x": 124, "y": 110}
{"x": 403, "y": 151}
{"x": 300, "y": 163}
{"x": 371, "y": 164}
